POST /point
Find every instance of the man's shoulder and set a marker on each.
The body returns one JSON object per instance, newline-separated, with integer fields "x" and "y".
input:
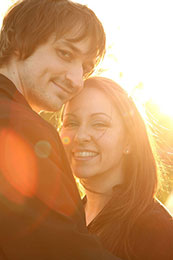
{"x": 18, "y": 117}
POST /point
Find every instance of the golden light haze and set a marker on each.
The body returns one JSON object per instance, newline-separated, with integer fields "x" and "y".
{"x": 140, "y": 46}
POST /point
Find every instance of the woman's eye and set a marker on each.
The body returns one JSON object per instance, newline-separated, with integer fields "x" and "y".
{"x": 100, "y": 125}
{"x": 70, "y": 124}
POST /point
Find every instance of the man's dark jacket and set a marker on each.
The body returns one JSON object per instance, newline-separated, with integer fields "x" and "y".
{"x": 41, "y": 215}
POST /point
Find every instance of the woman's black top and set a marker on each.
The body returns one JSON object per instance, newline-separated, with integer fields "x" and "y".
{"x": 151, "y": 237}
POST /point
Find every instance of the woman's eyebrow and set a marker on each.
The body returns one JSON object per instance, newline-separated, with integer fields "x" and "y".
{"x": 92, "y": 115}
{"x": 101, "y": 114}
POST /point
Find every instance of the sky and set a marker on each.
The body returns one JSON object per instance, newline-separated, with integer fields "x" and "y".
{"x": 139, "y": 46}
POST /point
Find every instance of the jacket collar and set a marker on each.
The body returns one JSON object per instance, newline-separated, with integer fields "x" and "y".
{"x": 7, "y": 88}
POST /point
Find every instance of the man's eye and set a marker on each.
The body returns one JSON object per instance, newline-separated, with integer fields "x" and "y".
{"x": 67, "y": 55}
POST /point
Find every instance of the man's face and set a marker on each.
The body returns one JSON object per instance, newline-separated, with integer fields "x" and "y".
{"x": 53, "y": 74}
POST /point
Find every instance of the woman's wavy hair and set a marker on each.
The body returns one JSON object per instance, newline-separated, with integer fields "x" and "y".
{"x": 116, "y": 221}
{"x": 29, "y": 23}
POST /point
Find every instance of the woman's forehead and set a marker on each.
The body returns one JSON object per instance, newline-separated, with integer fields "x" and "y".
{"x": 90, "y": 99}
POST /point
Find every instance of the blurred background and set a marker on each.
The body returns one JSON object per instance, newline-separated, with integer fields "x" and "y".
{"x": 139, "y": 57}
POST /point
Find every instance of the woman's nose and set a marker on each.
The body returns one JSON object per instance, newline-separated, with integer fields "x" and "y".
{"x": 82, "y": 135}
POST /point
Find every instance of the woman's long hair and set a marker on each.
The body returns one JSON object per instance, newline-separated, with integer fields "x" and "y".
{"x": 114, "y": 224}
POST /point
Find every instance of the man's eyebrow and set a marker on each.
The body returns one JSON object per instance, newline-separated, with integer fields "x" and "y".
{"x": 75, "y": 49}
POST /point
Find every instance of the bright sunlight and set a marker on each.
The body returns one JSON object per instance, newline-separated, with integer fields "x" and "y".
{"x": 140, "y": 46}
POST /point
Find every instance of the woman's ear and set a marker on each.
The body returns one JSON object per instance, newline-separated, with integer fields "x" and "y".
{"x": 127, "y": 148}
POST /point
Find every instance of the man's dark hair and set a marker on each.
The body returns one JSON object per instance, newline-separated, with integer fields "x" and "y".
{"x": 29, "y": 23}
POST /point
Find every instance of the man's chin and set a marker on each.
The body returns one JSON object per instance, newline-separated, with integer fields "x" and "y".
{"x": 47, "y": 108}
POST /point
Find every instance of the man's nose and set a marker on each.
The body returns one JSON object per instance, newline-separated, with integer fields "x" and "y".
{"x": 75, "y": 75}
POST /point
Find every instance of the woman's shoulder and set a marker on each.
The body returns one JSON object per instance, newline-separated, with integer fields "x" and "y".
{"x": 156, "y": 215}
{"x": 153, "y": 233}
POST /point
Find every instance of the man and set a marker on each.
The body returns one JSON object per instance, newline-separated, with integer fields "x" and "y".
{"x": 46, "y": 48}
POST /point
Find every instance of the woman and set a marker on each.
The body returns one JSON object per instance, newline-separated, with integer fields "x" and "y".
{"x": 109, "y": 151}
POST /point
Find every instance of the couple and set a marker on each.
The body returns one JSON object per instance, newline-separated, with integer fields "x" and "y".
{"x": 47, "y": 47}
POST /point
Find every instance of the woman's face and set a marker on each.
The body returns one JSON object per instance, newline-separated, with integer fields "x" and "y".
{"x": 94, "y": 136}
